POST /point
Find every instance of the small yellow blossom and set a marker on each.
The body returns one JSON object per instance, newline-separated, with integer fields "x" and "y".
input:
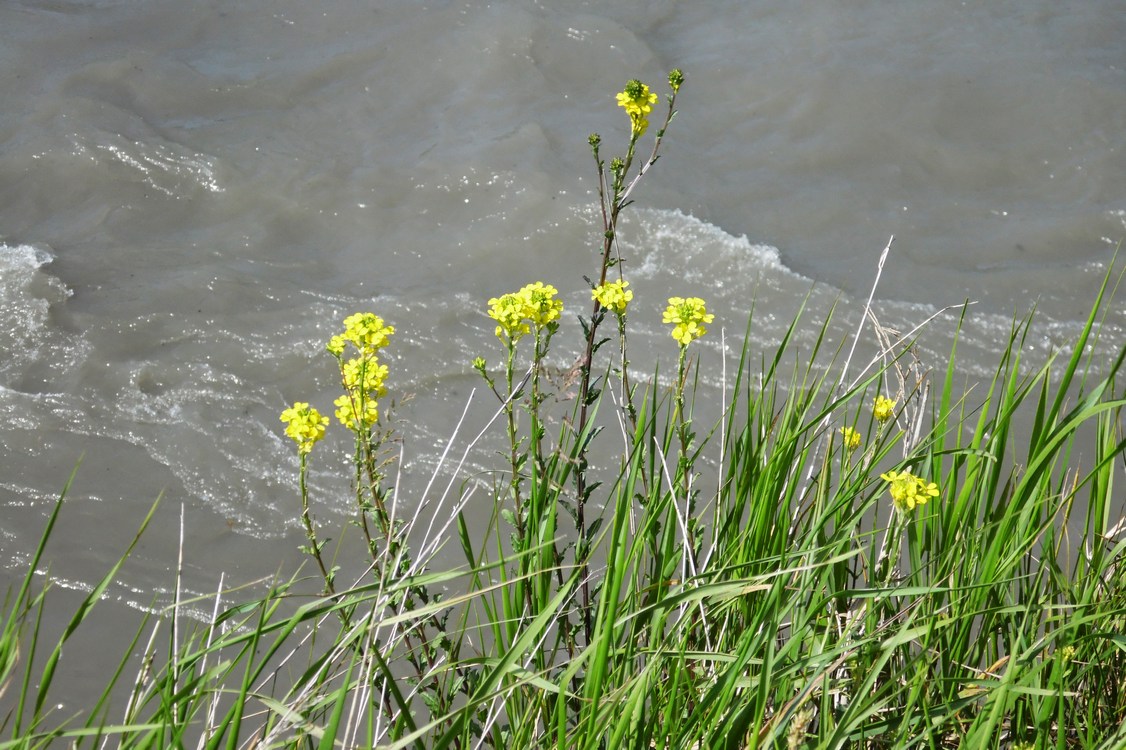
{"x": 688, "y": 316}
{"x": 638, "y": 102}
{"x": 883, "y": 409}
{"x": 613, "y": 295}
{"x": 336, "y": 345}
{"x": 304, "y": 425}
{"x": 851, "y": 438}
{"x": 356, "y": 411}
{"x": 908, "y": 490}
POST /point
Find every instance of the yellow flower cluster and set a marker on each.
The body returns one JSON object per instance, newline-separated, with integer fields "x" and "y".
{"x": 363, "y": 379}
{"x": 613, "y": 295}
{"x": 688, "y": 316}
{"x": 357, "y": 410}
{"x": 535, "y": 304}
{"x": 883, "y": 409}
{"x": 908, "y": 490}
{"x": 366, "y": 331}
{"x": 363, "y": 376}
{"x": 851, "y": 438}
{"x": 638, "y": 102}
{"x": 304, "y": 425}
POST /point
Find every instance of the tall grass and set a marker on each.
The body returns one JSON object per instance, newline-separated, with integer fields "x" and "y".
{"x": 762, "y": 581}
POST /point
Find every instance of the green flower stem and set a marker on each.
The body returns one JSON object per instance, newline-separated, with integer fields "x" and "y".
{"x": 627, "y": 387}
{"x": 889, "y": 550}
{"x": 513, "y": 441}
{"x": 534, "y": 405}
{"x": 310, "y": 533}
{"x": 358, "y": 463}
{"x": 683, "y": 429}
{"x": 375, "y": 479}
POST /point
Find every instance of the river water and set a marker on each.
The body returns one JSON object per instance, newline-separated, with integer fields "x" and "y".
{"x": 194, "y": 193}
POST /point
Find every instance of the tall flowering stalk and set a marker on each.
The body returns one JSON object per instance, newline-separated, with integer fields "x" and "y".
{"x": 306, "y": 427}
{"x": 362, "y": 378}
{"x": 531, "y": 310}
{"x": 689, "y": 318}
{"x": 613, "y": 195}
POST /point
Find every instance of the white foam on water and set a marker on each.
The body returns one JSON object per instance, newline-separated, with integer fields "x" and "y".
{"x": 676, "y": 242}
{"x": 27, "y": 294}
{"x": 23, "y": 312}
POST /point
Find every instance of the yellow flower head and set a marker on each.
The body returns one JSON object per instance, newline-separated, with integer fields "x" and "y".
{"x": 908, "y": 490}
{"x": 883, "y": 409}
{"x": 636, "y": 97}
{"x": 851, "y": 438}
{"x": 508, "y": 312}
{"x": 366, "y": 330}
{"x": 638, "y": 102}
{"x": 517, "y": 312}
{"x": 336, "y": 345}
{"x": 540, "y": 305}
{"x": 356, "y": 411}
{"x": 365, "y": 375}
{"x": 304, "y": 425}
{"x": 688, "y": 316}
{"x": 613, "y": 295}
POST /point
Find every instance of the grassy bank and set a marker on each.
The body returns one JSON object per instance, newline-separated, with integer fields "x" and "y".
{"x": 857, "y": 554}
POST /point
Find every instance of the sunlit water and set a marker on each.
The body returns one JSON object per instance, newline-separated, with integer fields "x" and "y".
{"x": 194, "y": 194}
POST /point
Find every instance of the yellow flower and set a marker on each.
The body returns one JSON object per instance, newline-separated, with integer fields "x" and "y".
{"x": 365, "y": 375}
{"x": 908, "y": 490}
{"x": 636, "y": 97}
{"x": 356, "y": 412}
{"x": 851, "y": 438}
{"x": 613, "y": 295}
{"x": 336, "y": 345}
{"x": 688, "y": 316}
{"x": 540, "y": 305}
{"x": 535, "y": 304}
{"x": 883, "y": 409}
{"x": 508, "y": 312}
{"x": 637, "y": 125}
{"x": 366, "y": 330}
{"x": 304, "y": 425}
{"x": 638, "y": 102}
